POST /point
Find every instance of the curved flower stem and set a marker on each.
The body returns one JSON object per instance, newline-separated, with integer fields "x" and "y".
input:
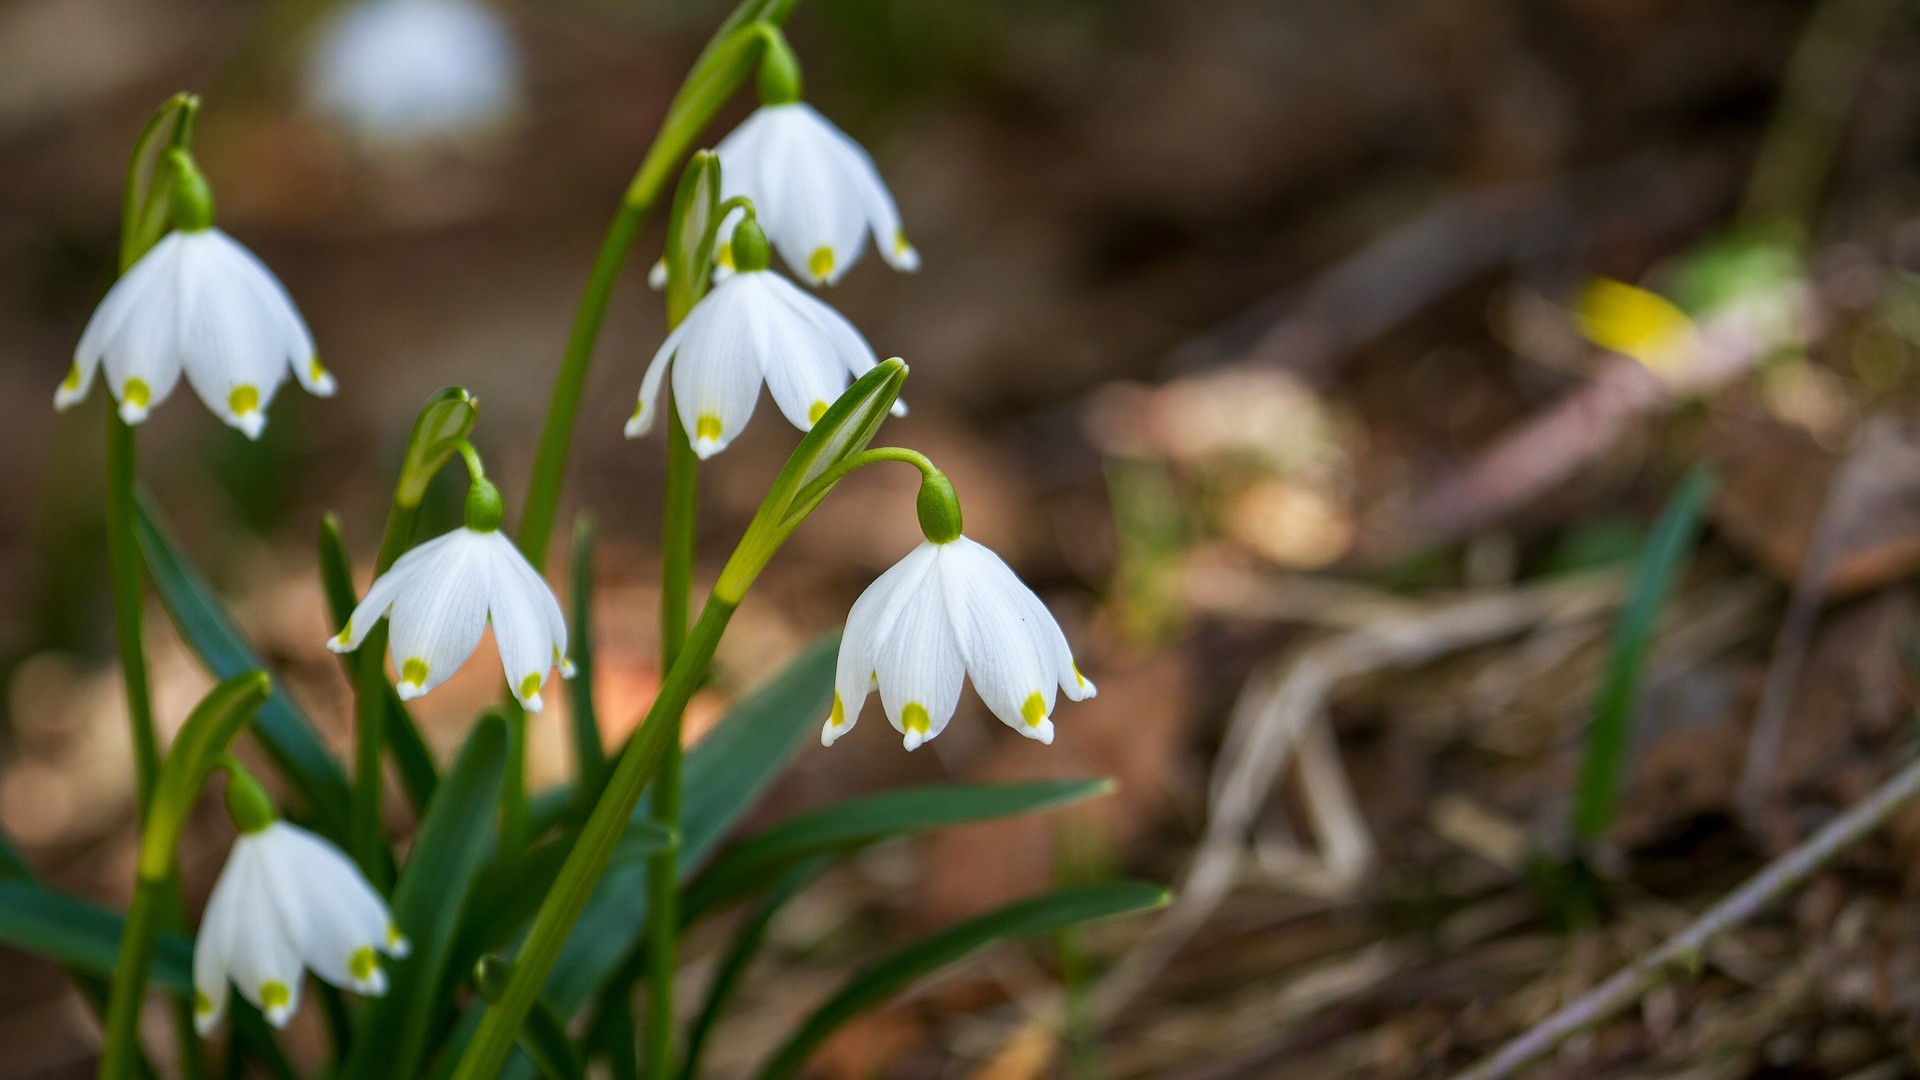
{"x": 864, "y": 458}
{"x": 663, "y": 868}
{"x": 138, "y": 939}
{"x": 719, "y": 71}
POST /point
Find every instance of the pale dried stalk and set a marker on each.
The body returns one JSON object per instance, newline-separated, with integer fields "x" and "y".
{"x": 1682, "y": 951}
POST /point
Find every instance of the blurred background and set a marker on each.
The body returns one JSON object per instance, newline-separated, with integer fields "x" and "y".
{"x": 1251, "y": 333}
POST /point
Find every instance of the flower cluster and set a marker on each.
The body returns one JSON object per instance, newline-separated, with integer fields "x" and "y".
{"x": 196, "y": 303}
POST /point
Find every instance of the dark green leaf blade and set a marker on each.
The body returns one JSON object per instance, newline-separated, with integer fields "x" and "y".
{"x": 82, "y": 936}
{"x": 857, "y": 822}
{"x": 209, "y": 631}
{"x": 1039, "y": 915}
{"x": 433, "y": 887}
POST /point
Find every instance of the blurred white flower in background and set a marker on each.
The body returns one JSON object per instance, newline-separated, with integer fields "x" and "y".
{"x": 405, "y": 77}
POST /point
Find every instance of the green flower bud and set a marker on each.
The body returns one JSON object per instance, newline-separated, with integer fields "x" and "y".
{"x": 779, "y": 70}
{"x": 939, "y": 508}
{"x": 248, "y": 803}
{"x": 750, "y": 252}
{"x": 484, "y": 508}
{"x": 192, "y": 200}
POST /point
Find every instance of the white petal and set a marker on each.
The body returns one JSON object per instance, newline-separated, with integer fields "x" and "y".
{"x": 883, "y": 217}
{"x": 868, "y": 624}
{"x": 1004, "y": 644}
{"x": 336, "y": 922}
{"x": 381, "y": 594}
{"x": 213, "y": 947}
{"x": 521, "y": 628}
{"x": 440, "y": 614}
{"x": 262, "y": 962}
{"x": 544, "y": 600}
{"x": 142, "y": 355}
{"x": 919, "y": 664}
{"x": 230, "y": 345}
{"x": 126, "y": 297}
{"x": 643, "y": 410}
{"x": 806, "y": 202}
{"x": 291, "y": 340}
{"x": 716, "y": 375}
{"x": 804, "y": 371}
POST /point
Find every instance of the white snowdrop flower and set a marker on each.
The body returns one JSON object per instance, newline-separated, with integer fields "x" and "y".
{"x": 402, "y": 75}
{"x": 944, "y": 610}
{"x": 288, "y": 901}
{"x": 198, "y": 303}
{"x": 442, "y": 595}
{"x": 817, "y": 191}
{"x": 753, "y": 327}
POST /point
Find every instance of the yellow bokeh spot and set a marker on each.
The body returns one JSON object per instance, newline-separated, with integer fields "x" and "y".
{"x": 530, "y": 686}
{"x": 707, "y": 427}
{"x": 1635, "y": 322}
{"x": 363, "y": 965}
{"x": 817, "y": 410}
{"x": 1034, "y": 709}
{"x": 243, "y": 400}
{"x": 274, "y": 995}
{"x": 820, "y": 263}
{"x": 72, "y": 381}
{"x": 136, "y": 393}
{"x": 414, "y": 671}
{"x": 914, "y": 718}
{"x": 839, "y": 714}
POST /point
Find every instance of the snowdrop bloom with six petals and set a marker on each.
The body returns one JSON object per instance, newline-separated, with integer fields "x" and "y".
{"x": 945, "y": 610}
{"x": 442, "y": 595}
{"x": 288, "y": 901}
{"x": 753, "y": 327}
{"x": 817, "y": 191}
{"x": 407, "y": 74}
{"x": 201, "y": 304}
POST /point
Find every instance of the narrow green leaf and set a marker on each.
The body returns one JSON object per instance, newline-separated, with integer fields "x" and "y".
{"x": 454, "y": 839}
{"x": 590, "y": 758}
{"x": 848, "y": 825}
{"x": 81, "y": 935}
{"x": 1039, "y": 915}
{"x": 209, "y": 631}
{"x": 1667, "y": 551}
{"x": 411, "y": 757}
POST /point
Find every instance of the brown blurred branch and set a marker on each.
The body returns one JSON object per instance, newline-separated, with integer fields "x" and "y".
{"x": 1683, "y": 950}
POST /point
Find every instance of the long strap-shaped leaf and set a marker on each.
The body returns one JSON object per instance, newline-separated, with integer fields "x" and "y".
{"x": 1039, "y": 915}
{"x": 870, "y": 819}
{"x": 428, "y": 898}
{"x": 209, "y": 631}
{"x": 82, "y": 936}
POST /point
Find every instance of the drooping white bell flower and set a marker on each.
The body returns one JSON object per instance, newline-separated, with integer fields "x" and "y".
{"x": 288, "y": 901}
{"x": 754, "y": 327}
{"x": 945, "y": 610}
{"x": 405, "y": 75}
{"x": 197, "y": 302}
{"x": 817, "y": 192}
{"x": 440, "y": 596}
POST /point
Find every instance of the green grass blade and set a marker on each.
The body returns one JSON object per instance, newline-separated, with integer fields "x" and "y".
{"x": 1039, "y": 915}
{"x": 82, "y": 936}
{"x": 1667, "y": 551}
{"x": 203, "y": 622}
{"x": 428, "y": 898}
{"x": 855, "y": 823}
{"x": 411, "y": 757}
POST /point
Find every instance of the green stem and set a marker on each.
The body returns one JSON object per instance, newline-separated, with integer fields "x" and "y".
{"x": 663, "y": 868}
{"x": 719, "y": 71}
{"x": 516, "y": 817}
{"x": 137, "y": 942}
{"x": 367, "y": 832}
{"x": 588, "y": 860}
{"x": 123, "y": 556}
